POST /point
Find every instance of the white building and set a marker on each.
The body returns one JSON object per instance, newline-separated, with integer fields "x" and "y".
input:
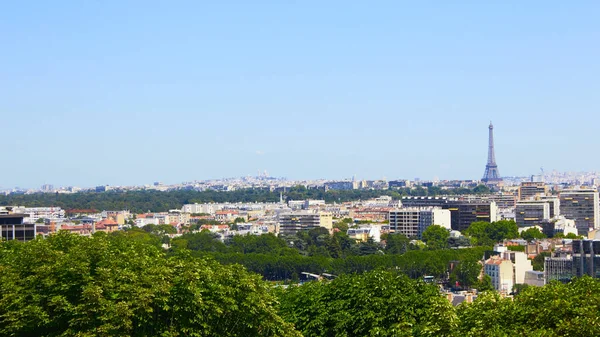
{"x": 363, "y": 233}
{"x": 521, "y": 265}
{"x": 501, "y": 272}
{"x": 412, "y": 222}
{"x": 33, "y": 214}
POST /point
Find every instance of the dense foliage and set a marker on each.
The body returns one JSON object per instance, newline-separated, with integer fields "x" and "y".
{"x": 315, "y": 251}
{"x": 487, "y": 234}
{"x": 123, "y": 284}
{"x": 553, "y": 310}
{"x": 156, "y": 201}
{"x": 378, "y": 303}
{"x": 70, "y": 285}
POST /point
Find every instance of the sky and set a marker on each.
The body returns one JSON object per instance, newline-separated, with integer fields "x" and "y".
{"x": 132, "y": 92}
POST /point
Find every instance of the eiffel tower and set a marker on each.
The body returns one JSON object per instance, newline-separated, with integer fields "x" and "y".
{"x": 491, "y": 174}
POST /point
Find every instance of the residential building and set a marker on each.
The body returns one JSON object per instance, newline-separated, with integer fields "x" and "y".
{"x": 531, "y": 212}
{"x": 342, "y": 185}
{"x": 412, "y": 222}
{"x": 520, "y": 263}
{"x": 583, "y": 207}
{"x": 532, "y": 189}
{"x": 363, "y": 233}
{"x": 557, "y": 225}
{"x": 501, "y": 272}
{"x": 292, "y": 222}
{"x": 554, "y": 202}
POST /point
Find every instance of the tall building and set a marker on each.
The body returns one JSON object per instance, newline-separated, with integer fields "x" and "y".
{"x": 531, "y": 189}
{"x": 464, "y": 213}
{"x": 292, "y": 222}
{"x": 554, "y": 202}
{"x": 531, "y": 212}
{"x": 583, "y": 207}
{"x": 491, "y": 174}
{"x": 412, "y": 222}
{"x": 586, "y": 258}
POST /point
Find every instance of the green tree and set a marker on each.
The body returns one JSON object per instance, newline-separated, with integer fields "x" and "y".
{"x": 114, "y": 285}
{"x": 485, "y": 284}
{"x": 397, "y": 243}
{"x": 487, "y": 234}
{"x": 377, "y": 303}
{"x": 436, "y": 237}
{"x": 466, "y": 273}
{"x": 538, "y": 261}
{"x": 531, "y": 234}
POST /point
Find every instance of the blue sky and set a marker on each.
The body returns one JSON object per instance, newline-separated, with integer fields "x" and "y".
{"x": 131, "y": 92}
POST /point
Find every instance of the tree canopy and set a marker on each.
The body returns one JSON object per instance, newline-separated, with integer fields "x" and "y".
{"x": 70, "y": 285}
{"x": 436, "y": 237}
{"x": 487, "y": 234}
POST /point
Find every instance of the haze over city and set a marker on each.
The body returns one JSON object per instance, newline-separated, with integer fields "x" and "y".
{"x": 133, "y": 92}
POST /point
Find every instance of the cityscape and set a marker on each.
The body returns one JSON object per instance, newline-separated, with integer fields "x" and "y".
{"x": 289, "y": 169}
{"x": 548, "y": 208}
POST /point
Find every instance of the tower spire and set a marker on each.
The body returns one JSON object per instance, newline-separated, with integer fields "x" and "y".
{"x": 491, "y": 174}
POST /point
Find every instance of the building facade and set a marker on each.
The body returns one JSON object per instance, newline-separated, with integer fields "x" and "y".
{"x": 412, "y": 222}
{"x": 292, "y": 222}
{"x": 583, "y": 207}
{"x": 531, "y": 212}
{"x": 532, "y": 189}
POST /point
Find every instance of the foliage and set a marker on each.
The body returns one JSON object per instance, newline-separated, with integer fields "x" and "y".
{"x": 68, "y": 285}
{"x": 378, "y": 303}
{"x": 436, "y": 237}
{"x": 485, "y": 284}
{"x": 516, "y": 248}
{"x": 461, "y": 241}
{"x": 553, "y": 310}
{"x": 487, "y": 234}
{"x": 466, "y": 273}
{"x": 538, "y": 261}
{"x": 571, "y": 236}
{"x": 531, "y": 234}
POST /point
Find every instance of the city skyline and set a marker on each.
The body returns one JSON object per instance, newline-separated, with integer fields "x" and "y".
{"x": 130, "y": 93}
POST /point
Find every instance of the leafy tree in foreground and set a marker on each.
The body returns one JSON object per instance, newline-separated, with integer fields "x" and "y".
{"x": 377, "y": 303}
{"x": 553, "y": 310}
{"x": 70, "y": 285}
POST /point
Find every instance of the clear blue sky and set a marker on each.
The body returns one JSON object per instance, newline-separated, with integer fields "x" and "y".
{"x": 131, "y": 92}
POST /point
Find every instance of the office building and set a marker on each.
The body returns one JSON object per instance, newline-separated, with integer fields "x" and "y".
{"x": 531, "y": 212}
{"x": 559, "y": 268}
{"x": 292, "y": 222}
{"x": 583, "y": 207}
{"x": 532, "y": 189}
{"x": 554, "y": 203}
{"x": 464, "y": 213}
{"x": 586, "y": 258}
{"x": 412, "y": 222}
